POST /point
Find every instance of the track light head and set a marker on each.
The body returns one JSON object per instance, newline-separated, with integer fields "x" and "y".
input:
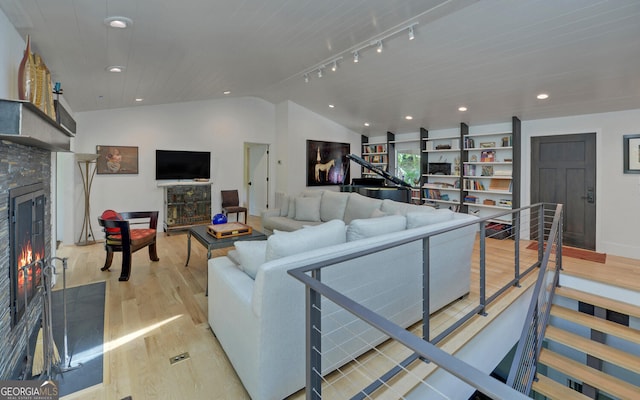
{"x": 356, "y": 56}
{"x": 306, "y": 78}
{"x": 379, "y": 49}
{"x": 334, "y": 67}
{"x": 320, "y": 72}
{"x": 411, "y": 33}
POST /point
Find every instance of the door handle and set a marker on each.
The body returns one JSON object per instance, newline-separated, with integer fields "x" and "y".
{"x": 590, "y": 197}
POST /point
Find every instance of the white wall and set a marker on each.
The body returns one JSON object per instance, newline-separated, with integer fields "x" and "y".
{"x": 220, "y": 126}
{"x": 11, "y": 51}
{"x": 303, "y": 125}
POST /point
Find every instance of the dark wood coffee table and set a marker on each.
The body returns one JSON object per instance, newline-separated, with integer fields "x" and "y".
{"x": 199, "y": 232}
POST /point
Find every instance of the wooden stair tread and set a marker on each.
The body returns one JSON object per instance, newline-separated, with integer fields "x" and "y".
{"x": 593, "y": 377}
{"x": 609, "y": 304}
{"x": 599, "y": 324}
{"x": 554, "y": 390}
{"x": 596, "y": 349}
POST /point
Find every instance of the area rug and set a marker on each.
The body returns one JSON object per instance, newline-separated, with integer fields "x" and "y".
{"x": 574, "y": 252}
{"x": 85, "y": 335}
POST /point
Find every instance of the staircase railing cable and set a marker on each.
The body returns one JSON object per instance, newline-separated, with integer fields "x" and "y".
{"x": 523, "y": 367}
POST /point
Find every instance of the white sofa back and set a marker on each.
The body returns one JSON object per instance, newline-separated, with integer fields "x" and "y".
{"x": 261, "y": 324}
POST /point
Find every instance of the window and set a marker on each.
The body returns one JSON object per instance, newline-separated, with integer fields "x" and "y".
{"x": 408, "y": 166}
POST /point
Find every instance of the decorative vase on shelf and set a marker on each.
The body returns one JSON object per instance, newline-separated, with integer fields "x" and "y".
{"x": 27, "y": 74}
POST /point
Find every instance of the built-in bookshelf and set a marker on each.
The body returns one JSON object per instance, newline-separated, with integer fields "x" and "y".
{"x": 441, "y": 165}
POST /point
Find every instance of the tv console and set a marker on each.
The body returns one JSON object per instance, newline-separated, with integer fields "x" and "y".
{"x": 186, "y": 204}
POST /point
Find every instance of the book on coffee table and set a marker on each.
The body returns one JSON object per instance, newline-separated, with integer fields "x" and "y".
{"x": 229, "y": 229}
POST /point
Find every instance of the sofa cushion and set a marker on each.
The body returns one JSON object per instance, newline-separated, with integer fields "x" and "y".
{"x": 291, "y": 212}
{"x": 394, "y": 207}
{"x": 416, "y": 219}
{"x": 377, "y": 213}
{"x": 360, "y": 207}
{"x": 312, "y": 193}
{"x": 333, "y": 205}
{"x": 284, "y": 208}
{"x": 251, "y": 255}
{"x": 282, "y": 244}
{"x": 307, "y": 208}
{"x": 112, "y": 215}
{"x": 365, "y": 228}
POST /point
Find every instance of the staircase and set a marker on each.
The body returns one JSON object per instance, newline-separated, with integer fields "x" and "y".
{"x": 578, "y": 371}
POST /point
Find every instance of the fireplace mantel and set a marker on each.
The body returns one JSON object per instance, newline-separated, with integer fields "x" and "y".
{"x": 22, "y": 122}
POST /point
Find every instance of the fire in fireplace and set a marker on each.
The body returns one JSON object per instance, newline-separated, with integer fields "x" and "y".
{"x": 27, "y": 245}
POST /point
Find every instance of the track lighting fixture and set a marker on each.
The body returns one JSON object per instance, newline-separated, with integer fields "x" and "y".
{"x": 375, "y": 42}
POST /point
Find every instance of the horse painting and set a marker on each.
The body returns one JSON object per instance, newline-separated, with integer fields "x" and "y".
{"x": 324, "y": 168}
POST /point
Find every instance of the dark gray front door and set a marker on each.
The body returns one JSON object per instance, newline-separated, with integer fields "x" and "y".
{"x": 563, "y": 170}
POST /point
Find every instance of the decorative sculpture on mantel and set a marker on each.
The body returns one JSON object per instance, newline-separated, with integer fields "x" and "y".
{"x": 34, "y": 82}
{"x": 27, "y": 74}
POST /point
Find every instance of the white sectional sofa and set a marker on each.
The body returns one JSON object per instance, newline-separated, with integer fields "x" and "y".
{"x": 314, "y": 207}
{"x": 257, "y": 310}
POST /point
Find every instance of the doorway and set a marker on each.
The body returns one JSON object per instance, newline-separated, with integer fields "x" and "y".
{"x": 563, "y": 170}
{"x": 257, "y": 176}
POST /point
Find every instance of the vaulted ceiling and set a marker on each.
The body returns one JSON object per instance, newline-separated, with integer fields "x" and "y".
{"x": 492, "y": 56}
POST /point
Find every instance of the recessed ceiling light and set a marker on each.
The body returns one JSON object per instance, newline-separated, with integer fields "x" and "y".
{"x": 366, "y": 124}
{"x": 408, "y": 117}
{"x": 226, "y": 92}
{"x": 332, "y": 106}
{"x": 139, "y": 99}
{"x": 118, "y": 22}
{"x": 115, "y": 68}
{"x": 542, "y": 96}
{"x": 462, "y": 108}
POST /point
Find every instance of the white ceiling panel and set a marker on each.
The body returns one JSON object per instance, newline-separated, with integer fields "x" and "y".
{"x": 492, "y": 56}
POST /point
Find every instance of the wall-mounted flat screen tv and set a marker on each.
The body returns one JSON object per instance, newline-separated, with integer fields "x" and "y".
{"x": 175, "y": 164}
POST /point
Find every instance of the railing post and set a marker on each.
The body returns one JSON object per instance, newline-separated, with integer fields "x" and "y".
{"x": 314, "y": 341}
{"x": 560, "y": 232}
{"x": 483, "y": 259}
{"x": 517, "y": 219}
{"x": 425, "y": 290}
{"x": 541, "y": 224}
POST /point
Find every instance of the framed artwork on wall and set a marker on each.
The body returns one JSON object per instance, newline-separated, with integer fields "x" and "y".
{"x": 327, "y": 163}
{"x": 631, "y": 156}
{"x": 117, "y": 160}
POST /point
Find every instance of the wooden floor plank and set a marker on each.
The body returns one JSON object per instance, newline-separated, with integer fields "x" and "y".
{"x": 593, "y": 377}
{"x": 599, "y": 324}
{"x": 590, "y": 298}
{"x": 596, "y": 349}
{"x": 555, "y": 391}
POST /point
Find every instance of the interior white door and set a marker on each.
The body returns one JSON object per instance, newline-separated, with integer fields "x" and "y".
{"x": 258, "y": 165}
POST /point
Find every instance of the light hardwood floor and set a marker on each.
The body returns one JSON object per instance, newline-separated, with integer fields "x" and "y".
{"x": 162, "y": 312}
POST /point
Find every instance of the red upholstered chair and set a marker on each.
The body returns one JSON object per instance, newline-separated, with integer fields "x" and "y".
{"x": 121, "y": 237}
{"x": 231, "y": 204}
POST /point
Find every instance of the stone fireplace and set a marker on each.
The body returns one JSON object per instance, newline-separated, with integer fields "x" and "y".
{"x": 25, "y": 191}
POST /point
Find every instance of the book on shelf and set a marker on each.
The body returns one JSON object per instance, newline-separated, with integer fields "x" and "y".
{"x": 471, "y": 199}
{"x": 469, "y": 170}
{"x": 472, "y": 184}
{"x": 433, "y": 194}
{"x": 488, "y": 156}
{"x": 469, "y": 143}
{"x": 487, "y": 170}
{"x": 506, "y": 141}
{"x": 500, "y": 184}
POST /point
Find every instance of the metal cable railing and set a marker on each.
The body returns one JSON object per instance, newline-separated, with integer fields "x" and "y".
{"x": 528, "y": 220}
{"x": 524, "y": 365}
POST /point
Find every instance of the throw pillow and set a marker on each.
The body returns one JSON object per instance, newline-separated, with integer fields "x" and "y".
{"x": 365, "y": 228}
{"x": 284, "y": 208}
{"x": 332, "y": 205}
{"x": 291, "y": 213}
{"x": 251, "y": 254}
{"x": 308, "y": 209}
{"x": 416, "y": 219}
{"x": 112, "y": 215}
{"x": 282, "y": 244}
{"x": 359, "y": 207}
